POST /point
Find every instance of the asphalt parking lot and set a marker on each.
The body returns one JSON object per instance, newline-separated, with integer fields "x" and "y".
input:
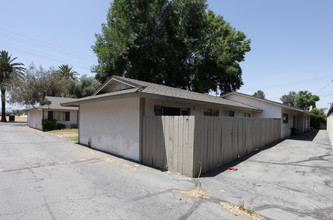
{"x": 43, "y": 176}
{"x": 291, "y": 180}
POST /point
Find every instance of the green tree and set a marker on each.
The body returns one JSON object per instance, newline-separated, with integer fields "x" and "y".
{"x": 305, "y": 100}
{"x": 38, "y": 83}
{"x": 289, "y": 99}
{"x": 67, "y": 72}
{"x": 9, "y": 72}
{"x": 259, "y": 94}
{"x": 318, "y": 117}
{"x": 178, "y": 43}
{"x": 85, "y": 86}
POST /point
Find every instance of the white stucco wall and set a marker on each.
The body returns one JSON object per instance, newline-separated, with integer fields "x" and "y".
{"x": 195, "y": 109}
{"x": 286, "y": 127}
{"x": 330, "y": 128}
{"x": 269, "y": 110}
{"x": 35, "y": 119}
{"x": 275, "y": 111}
{"x": 112, "y": 126}
{"x": 72, "y": 121}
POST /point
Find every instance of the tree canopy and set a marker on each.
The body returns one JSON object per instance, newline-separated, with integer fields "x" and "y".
{"x": 178, "y": 43}
{"x": 305, "y": 100}
{"x": 259, "y": 94}
{"x": 37, "y": 84}
{"x": 9, "y": 72}
{"x": 83, "y": 87}
{"x": 318, "y": 117}
{"x": 40, "y": 82}
{"x": 289, "y": 99}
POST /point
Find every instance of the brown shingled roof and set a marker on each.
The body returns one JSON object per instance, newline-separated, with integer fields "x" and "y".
{"x": 146, "y": 89}
{"x": 51, "y": 102}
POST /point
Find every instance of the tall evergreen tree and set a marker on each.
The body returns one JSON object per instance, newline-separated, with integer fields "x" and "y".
{"x": 173, "y": 42}
{"x": 8, "y": 71}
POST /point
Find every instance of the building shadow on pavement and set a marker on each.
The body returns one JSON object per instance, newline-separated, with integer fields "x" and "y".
{"x": 234, "y": 163}
{"x": 307, "y": 136}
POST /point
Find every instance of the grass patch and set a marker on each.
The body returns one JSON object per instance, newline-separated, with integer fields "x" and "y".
{"x": 250, "y": 211}
{"x": 69, "y": 134}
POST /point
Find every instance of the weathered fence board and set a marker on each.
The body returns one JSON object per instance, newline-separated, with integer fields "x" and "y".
{"x": 179, "y": 143}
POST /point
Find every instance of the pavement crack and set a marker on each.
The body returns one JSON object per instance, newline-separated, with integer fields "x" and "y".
{"x": 324, "y": 214}
{"x": 151, "y": 195}
{"x": 49, "y": 209}
{"x": 291, "y": 164}
{"x": 48, "y": 165}
{"x": 191, "y": 210}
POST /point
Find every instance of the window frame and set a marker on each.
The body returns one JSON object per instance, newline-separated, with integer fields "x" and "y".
{"x": 50, "y": 113}
{"x": 160, "y": 110}
{"x": 229, "y": 113}
{"x": 211, "y": 112}
{"x": 285, "y": 118}
{"x": 67, "y": 116}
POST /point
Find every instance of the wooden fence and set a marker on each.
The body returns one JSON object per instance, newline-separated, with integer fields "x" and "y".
{"x": 177, "y": 143}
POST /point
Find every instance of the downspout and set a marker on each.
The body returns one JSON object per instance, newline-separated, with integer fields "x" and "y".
{"x": 141, "y": 115}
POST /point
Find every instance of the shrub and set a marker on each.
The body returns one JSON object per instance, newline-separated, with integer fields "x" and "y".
{"x": 61, "y": 126}
{"x": 49, "y": 124}
{"x": 316, "y": 120}
{"x": 318, "y": 117}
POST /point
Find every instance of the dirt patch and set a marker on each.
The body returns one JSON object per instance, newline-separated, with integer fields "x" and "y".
{"x": 241, "y": 211}
{"x": 194, "y": 193}
{"x": 198, "y": 192}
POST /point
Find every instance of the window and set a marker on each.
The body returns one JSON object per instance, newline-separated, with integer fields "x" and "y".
{"x": 184, "y": 111}
{"x": 285, "y": 118}
{"x": 50, "y": 115}
{"x": 229, "y": 113}
{"x": 211, "y": 112}
{"x": 67, "y": 116}
{"x": 160, "y": 110}
{"x": 247, "y": 115}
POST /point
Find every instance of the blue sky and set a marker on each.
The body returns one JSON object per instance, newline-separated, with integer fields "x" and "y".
{"x": 292, "y": 46}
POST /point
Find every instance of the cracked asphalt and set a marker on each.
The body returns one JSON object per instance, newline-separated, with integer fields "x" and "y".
{"x": 290, "y": 180}
{"x": 43, "y": 176}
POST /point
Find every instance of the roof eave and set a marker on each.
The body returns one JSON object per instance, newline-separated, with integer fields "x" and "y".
{"x": 116, "y": 79}
{"x": 267, "y": 101}
{"x": 172, "y": 98}
{"x": 98, "y": 99}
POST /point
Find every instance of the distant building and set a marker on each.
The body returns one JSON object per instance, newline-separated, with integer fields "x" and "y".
{"x": 50, "y": 108}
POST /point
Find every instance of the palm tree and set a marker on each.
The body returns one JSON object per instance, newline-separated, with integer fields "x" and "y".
{"x": 8, "y": 71}
{"x": 66, "y": 71}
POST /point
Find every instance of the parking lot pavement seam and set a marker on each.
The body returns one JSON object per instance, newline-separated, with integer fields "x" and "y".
{"x": 327, "y": 213}
{"x": 49, "y": 164}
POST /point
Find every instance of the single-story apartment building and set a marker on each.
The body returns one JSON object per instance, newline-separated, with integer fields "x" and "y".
{"x": 50, "y": 108}
{"x": 290, "y": 117}
{"x": 111, "y": 119}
